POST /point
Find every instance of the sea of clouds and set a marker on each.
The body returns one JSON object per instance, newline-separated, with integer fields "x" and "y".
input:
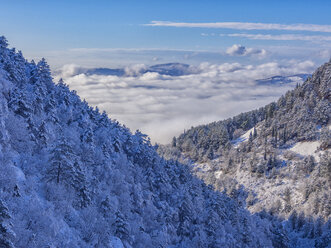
{"x": 162, "y": 106}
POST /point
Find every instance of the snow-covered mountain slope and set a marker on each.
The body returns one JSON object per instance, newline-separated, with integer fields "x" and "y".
{"x": 275, "y": 159}
{"x": 278, "y": 80}
{"x": 72, "y": 177}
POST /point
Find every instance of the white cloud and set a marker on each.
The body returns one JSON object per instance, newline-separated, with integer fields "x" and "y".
{"x": 245, "y": 26}
{"x": 239, "y": 50}
{"x": 163, "y": 106}
{"x": 281, "y": 37}
{"x": 69, "y": 70}
{"x": 236, "y": 50}
{"x": 325, "y": 54}
{"x": 134, "y": 69}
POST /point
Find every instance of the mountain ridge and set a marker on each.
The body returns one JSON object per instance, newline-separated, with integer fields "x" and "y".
{"x": 275, "y": 159}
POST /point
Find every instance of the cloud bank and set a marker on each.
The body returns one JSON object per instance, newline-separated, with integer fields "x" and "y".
{"x": 163, "y": 106}
{"x": 244, "y": 26}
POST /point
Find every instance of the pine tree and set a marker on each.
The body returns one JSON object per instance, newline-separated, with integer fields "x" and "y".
{"x": 64, "y": 166}
{"x": 106, "y": 207}
{"x": 325, "y": 165}
{"x": 44, "y": 74}
{"x": 284, "y": 135}
{"x": 83, "y": 195}
{"x": 210, "y": 153}
{"x": 293, "y": 219}
{"x": 3, "y": 44}
{"x": 174, "y": 142}
{"x": 212, "y": 228}
{"x": 254, "y": 133}
{"x": 6, "y": 234}
{"x": 325, "y": 138}
{"x": 279, "y": 239}
{"x": 121, "y": 226}
{"x": 19, "y": 103}
{"x": 246, "y": 232}
{"x": 185, "y": 218}
{"x": 316, "y": 205}
{"x": 287, "y": 199}
{"x": 87, "y": 136}
{"x": 250, "y": 139}
{"x": 300, "y": 221}
{"x": 42, "y": 135}
{"x": 16, "y": 192}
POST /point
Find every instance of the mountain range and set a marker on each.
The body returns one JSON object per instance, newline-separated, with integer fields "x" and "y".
{"x": 177, "y": 69}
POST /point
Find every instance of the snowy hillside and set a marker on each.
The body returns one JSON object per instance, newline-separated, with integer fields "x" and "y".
{"x": 276, "y": 159}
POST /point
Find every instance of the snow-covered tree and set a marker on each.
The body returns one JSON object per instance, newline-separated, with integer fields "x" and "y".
{"x": 6, "y": 234}
{"x": 64, "y": 166}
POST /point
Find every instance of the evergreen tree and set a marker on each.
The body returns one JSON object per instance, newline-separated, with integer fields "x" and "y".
{"x": 174, "y": 142}
{"x": 280, "y": 239}
{"x": 185, "y": 218}
{"x": 254, "y": 133}
{"x": 246, "y": 231}
{"x": 6, "y": 234}
{"x": 19, "y": 103}
{"x": 42, "y": 135}
{"x": 121, "y": 226}
{"x": 212, "y": 229}
{"x": 250, "y": 139}
{"x": 16, "y": 192}
{"x": 287, "y": 200}
{"x": 64, "y": 166}
{"x": 44, "y": 74}
{"x": 293, "y": 219}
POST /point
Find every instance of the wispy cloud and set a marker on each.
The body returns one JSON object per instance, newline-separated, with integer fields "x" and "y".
{"x": 244, "y": 26}
{"x": 281, "y": 37}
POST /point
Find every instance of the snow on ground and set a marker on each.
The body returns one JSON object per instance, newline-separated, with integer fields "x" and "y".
{"x": 306, "y": 148}
{"x": 218, "y": 174}
{"x": 19, "y": 174}
{"x": 116, "y": 243}
{"x": 269, "y": 191}
{"x": 242, "y": 138}
{"x": 202, "y": 167}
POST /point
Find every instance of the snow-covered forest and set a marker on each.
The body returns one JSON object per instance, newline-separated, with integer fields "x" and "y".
{"x": 275, "y": 159}
{"x": 72, "y": 177}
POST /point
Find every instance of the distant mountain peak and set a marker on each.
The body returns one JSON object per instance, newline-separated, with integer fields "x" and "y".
{"x": 279, "y": 80}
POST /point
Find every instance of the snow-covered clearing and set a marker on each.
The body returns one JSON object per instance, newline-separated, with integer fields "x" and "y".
{"x": 242, "y": 138}
{"x": 306, "y": 148}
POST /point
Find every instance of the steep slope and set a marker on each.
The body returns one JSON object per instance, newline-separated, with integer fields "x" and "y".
{"x": 71, "y": 177}
{"x": 275, "y": 159}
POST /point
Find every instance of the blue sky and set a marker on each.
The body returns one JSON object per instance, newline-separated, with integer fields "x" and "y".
{"x": 35, "y": 25}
